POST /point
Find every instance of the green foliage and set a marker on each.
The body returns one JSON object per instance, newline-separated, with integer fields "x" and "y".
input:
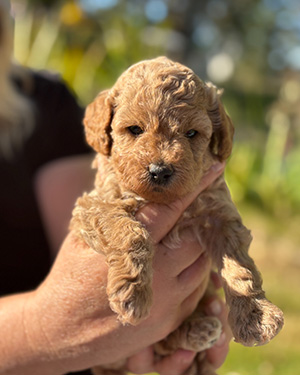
{"x": 90, "y": 48}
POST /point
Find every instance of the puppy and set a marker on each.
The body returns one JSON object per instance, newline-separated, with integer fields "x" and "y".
{"x": 161, "y": 128}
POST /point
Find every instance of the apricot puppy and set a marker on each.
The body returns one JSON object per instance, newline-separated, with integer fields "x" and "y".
{"x": 161, "y": 128}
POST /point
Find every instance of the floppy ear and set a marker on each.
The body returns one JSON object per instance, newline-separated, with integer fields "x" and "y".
{"x": 97, "y": 122}
{"x": 223, "y": 130}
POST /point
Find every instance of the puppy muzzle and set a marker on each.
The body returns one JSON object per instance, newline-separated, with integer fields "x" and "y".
{"x": 161, "y": 174}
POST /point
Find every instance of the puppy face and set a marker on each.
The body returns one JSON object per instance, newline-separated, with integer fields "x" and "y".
{"x": 157, "y": 129}
{"x": 158, "y": 155}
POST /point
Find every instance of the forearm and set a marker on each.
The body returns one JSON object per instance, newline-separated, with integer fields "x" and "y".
{"x": 19, "y": 343}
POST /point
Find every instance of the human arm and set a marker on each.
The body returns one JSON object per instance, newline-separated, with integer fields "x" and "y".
{"x": 57, "y": 185}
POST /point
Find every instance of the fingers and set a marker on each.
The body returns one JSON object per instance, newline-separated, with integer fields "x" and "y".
{"x": 216, "y": 279}
{"x": 172, "y": 261}
{"x": 189, "y": 304}
{"x": 180, "y": 271}
{"x": 217, "y": 354}
{"x": 141, "y": 362}
{"x": 198, "y": 268}
{"x": 179, "y": 294}
{"x": 175, "y": 364}
{"x": 214, "y": 171}
{"x": 159, "y": 219}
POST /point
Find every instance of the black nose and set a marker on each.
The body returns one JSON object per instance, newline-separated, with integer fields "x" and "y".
{"x": 160, "y": 173}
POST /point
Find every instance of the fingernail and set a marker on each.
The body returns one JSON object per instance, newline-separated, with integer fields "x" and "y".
{"x": 215, "y": 307}
{"x": 218, "y": 167}
{"x": 185, "y": 356}
{"x": 221, "y": 340}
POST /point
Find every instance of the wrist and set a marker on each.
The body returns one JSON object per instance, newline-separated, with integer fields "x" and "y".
{"x": 43, "y": 358}
{"x": 20, "y": 353}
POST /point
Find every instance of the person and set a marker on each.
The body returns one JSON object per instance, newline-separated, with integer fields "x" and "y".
{"x": 55, "y": 317}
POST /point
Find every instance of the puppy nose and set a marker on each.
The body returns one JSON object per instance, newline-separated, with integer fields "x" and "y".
{"x": 160, "y": 173}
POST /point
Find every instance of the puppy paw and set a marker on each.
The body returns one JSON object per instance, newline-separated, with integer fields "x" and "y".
{"x": 132, "y": 303}
{"x": 202, "y": 333}
{"x": 257, "y": 323}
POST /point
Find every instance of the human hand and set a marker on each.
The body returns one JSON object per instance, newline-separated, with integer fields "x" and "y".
{"x": 68, "y": 320}
{"x": 176, "y": 364}
{"x": 215, "y": 306}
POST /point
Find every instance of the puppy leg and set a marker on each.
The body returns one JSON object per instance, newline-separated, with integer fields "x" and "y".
{"x": 218, "y": 225}
{"x": 253, "y": 319}
{"x": 111, "y": 228}
{"x": 130, "y": 273}
{"x": 197, "y": 333}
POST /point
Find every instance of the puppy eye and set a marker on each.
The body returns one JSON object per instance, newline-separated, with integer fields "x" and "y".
{"x": 135, "y": 130}
{"x": 191, "y": 133}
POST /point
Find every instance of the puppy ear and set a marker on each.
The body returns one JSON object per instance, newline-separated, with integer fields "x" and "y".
{"x": 223, "y": 130}
{"x": 97, "y": 122}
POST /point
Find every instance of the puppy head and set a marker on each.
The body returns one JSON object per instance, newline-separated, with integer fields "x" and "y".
{"x": 161, "y": 127}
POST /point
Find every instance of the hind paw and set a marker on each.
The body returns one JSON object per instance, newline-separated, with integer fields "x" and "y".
{"x": 202, "y": 333}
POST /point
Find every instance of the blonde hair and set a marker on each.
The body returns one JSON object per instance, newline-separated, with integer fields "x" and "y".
{"x": 16, "y": 111}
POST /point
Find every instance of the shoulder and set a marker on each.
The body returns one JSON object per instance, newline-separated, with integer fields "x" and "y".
{"x": 58, "y": 130}
{"x": 52, "y": 88}
{"x": 45, "y": 89}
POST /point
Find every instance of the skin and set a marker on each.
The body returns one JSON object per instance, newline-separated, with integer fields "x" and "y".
{"x": 66, "y": 323}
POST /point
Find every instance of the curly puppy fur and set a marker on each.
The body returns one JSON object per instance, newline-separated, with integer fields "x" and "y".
{"x": 161, "y": 128}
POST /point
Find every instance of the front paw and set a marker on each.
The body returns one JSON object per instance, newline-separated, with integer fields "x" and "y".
{"x": 131, "y": 302}
{"x": 129, "y": 285}
{"x": 129, "y": 277}
{"x": 202, "y": 333}
{"x": 255, "y": 321}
